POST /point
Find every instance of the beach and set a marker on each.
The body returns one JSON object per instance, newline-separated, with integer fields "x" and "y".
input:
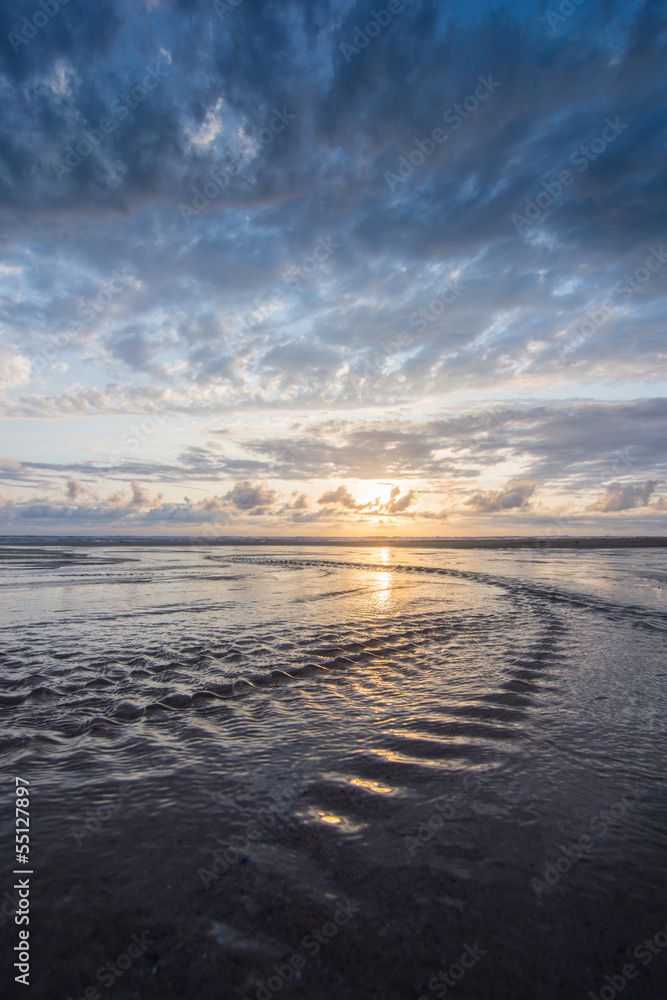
{"x": 306, "y": 770}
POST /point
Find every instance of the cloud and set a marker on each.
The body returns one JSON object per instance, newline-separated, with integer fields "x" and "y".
{"x": 429, "y": 298}
{"x": 398, "y": 504}
{"x": 341, "y": 500}
{"x": 558, "y": 441}
{"x": 141, "y": 496}
{"x": 513, "y": 496}
{"x": 136, "y": 496}
{"x": 212, "y": 504}
{"x": 14, "y": 368}
{"x": 569, "y": 445}
{"x": 75, "y": 489}
{"x": 625, "y": 496}
{"x": 340, "y": 497}
{"x": 249, "y": 496}
{"x": 381, "y": 298}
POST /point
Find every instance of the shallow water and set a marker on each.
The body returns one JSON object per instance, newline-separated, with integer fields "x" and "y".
{"x": 418, "y": 732}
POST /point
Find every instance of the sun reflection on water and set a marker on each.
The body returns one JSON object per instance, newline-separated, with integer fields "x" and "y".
{"x": 382, "y": 581}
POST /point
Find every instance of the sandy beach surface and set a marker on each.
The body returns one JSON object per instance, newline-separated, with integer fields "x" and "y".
{"x": 325, "y": 771}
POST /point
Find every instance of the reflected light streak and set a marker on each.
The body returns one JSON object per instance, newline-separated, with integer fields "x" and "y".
{"x": 383, "y": 582}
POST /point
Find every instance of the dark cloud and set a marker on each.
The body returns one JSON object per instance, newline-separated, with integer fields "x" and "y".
{"x": 249, "y": 496}
{"x": 302, "y": 276}
{"x": 141, "y": 496}
{"x": 625, "y": 496}
{"x": 75, "y": 489}
{"x": 513, "y": 496}
{"x": 573, "y": 444}
{"x": 73, "y": 31}
{"x": 560, "y": 441}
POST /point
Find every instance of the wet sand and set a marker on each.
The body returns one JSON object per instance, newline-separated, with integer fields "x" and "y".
{"x": 330, "y": 774}
{"x": 406, "y": 921}
{"x": 555, "y": 541}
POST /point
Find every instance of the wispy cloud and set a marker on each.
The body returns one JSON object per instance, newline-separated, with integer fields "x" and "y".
{"x": 300, "y": 288}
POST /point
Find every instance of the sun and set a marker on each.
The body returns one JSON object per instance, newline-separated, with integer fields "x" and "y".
{"x": 368, "y": 491}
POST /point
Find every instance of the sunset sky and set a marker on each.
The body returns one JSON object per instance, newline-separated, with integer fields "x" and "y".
{"x": 324, "y": 267}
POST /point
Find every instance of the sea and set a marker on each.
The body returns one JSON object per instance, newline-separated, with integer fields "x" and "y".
{"x": 334, "y": 770}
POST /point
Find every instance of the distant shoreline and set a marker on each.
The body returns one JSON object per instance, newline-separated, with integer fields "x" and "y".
{"x": 512, "y": 542}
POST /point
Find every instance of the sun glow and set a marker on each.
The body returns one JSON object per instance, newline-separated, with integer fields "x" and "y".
{"x": 370, "y": 491}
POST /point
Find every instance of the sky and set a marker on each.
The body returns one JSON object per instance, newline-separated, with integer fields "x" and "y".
{"x": 333, "y": 268}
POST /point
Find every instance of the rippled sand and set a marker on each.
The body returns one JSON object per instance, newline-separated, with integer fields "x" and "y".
{"x": 374, "y": 763}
